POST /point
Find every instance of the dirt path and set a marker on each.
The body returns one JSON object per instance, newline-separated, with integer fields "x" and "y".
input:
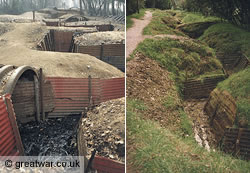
{"x": 134, "y": 34}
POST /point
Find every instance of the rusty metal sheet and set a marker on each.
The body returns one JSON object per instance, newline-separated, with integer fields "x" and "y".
{"x": 10, "y": 141}
{"x": 105, "y": 165}
{"x": 112, "y": 88}
{"x": 71, "y": 95}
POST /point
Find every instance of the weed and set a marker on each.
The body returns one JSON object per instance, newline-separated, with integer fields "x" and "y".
{"x": 129, "y": 22}
{"x": 170, "y": 103}
{"x": 186, "y": 125}
{"x": 136, "y": 104}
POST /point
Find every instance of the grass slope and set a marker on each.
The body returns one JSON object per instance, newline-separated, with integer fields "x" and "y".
{"x": 162, "y": 23}
{"x": 155, "y": 149}
{"x": 184, "y": 59}
{"x": 225, "y": 37}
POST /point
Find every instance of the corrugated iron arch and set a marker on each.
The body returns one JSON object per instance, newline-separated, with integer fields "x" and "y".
{"x": 11, "y": 75}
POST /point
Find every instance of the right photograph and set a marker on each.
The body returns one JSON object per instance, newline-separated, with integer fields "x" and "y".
{"x": 187, "y": 86}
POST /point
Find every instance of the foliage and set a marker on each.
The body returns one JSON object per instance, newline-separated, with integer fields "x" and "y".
{"x": 160, "y": 4}
{"x": 90, "y": 7}
{"x": 134, "y": 6}
{"x": 237, "y": 12}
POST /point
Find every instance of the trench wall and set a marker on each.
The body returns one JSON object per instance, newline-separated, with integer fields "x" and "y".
{"x": 73, "y": 95}
{"x": 113, "y": 54}
{"x": 195, "y": 89}
{"x": 233, "y": 62}
{"x": 237, "y": 142}
{"x": 10, "y": 140}
{"x": 59, "y": 41}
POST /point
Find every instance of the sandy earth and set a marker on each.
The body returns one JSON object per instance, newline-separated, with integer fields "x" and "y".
{"x": 17, "y": 48}
{"x": 97, "y": 38}
{"x": 134, "y": 35}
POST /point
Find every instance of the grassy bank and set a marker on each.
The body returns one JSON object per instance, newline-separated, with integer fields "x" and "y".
{"x": 184, "y": 59}
{"x": 225, "y": 37}
{"x": 162, "y": 23}
{"x": 129, "y": 22}
{"x": 156, "y": 149}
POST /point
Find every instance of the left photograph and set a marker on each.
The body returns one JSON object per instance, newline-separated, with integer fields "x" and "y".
{"x": 62, "y": 86}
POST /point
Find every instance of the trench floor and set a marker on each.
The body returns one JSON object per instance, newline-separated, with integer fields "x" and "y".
{"x": 53, "y": 137}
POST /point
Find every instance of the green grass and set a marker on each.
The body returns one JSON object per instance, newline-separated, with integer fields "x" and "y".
{"x": 170, "y": 103}
{"x": 186, "y": 59}
{"x": 162, "y": 23}
{"x": 238, "y": 85}
{"x": 188, "y": 17}
{"x": 129, "y": 22}
{"x": 155, "y": 149}
{"x": 186, "y": 126}
{"x": 227, "y": 38}
{"x": 213, "y": 74}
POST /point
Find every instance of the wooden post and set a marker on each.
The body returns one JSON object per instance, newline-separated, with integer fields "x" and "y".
{"x": 90, "y": 91}
{"x": 37, "y": 98}
{"x": 12, "y": 118}
{"x": 34, "y": 15}
{"x": 101, "y": 52}
{"x": 41, "y": 92}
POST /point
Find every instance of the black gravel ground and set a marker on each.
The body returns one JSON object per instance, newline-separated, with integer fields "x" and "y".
{"x": 53, "y": 137}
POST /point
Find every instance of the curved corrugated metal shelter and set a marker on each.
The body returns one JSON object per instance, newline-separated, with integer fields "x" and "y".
{"x": 23, "y": 85}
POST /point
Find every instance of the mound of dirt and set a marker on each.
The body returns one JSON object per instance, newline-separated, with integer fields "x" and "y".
{"x": 101, "y": 37}
{"x": 5, "y": 28}
{"x": 17, "y": 50}
{"x": 149, "y": 82}
{"x": 104, "y": 130}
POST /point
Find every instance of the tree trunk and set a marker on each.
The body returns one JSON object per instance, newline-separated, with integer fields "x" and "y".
{"x": 81, "y": 12}
{"x": 113, "y": 7}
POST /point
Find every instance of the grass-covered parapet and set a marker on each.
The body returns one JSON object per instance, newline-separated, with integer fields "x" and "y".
{"x": 184, "y": 58}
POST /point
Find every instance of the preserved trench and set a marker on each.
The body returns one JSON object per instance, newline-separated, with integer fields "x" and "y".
{"x": 43, "y": 130}
{"x": 212, "y": 124}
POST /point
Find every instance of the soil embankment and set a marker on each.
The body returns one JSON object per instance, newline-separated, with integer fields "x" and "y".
{"x": 18, "y": 45}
